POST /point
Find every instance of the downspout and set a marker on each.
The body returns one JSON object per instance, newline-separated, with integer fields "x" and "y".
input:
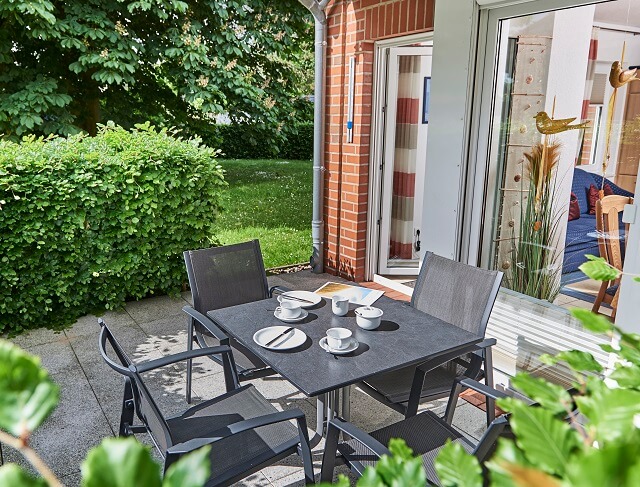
{"x": 317, "y": 221}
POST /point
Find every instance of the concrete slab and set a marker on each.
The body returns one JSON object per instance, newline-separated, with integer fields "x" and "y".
{"x": 153, "y": 309}
{"x": 33, "y": 338}
{"x": 88, "y": 325}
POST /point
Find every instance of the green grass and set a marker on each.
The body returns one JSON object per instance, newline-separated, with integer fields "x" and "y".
{"x": 269, "y": 200}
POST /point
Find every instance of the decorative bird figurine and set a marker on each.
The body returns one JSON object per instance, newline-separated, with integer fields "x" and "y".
{"x": 547, "y": 125}
{"x": 619, "y": 77}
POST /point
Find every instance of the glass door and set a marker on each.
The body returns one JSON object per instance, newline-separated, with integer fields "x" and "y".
{"x": 404, "y": 159}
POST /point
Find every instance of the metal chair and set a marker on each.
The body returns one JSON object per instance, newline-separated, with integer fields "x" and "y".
{"x": 220, "y": 277}
{"x": 425, "y": 433}
{"x": 608, "y": 211}
{"x": 245, "y": 431}
{"x": 459, "y": 294}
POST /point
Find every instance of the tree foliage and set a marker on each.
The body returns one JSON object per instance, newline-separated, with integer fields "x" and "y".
{"x": 67, "y": 65}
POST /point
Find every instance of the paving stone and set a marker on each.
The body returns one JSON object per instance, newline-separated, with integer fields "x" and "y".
{"x": 33, "y": 338}
{"x": 88, "y": 324}
{"x": 153, "y": 309}
{"x": 186, "y": 295}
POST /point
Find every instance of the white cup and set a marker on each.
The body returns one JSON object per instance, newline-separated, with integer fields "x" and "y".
{"x": 289, "y": 310}
{"x": 339, "y": 305}
{"x": 338, "y": 338}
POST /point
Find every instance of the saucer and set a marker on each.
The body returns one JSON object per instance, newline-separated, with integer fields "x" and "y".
{"x": 303, "y": 314}
{"x": 353, "y": 346}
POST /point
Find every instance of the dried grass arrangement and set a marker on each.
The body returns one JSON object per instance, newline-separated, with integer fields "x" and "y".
{"x": 535, "y": 271}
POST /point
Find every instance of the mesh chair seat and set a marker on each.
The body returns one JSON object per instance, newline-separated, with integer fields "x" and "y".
{"x": 395, "y": 386}
{"x": 244, "y": 403}
{"x": 425, "y": 434}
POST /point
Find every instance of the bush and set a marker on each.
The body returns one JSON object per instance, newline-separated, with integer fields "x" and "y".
{"x": 87, "y": 222}
{"x": 253, "y": 141}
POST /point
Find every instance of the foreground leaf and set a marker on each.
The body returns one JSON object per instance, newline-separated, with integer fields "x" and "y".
{"x": 120, "y": 462}
{"x": 592, "y": 321}
{"x": 530, "y": 477}
{"x": 192, "y": 470}
{"x": 597, "y": 268}
{"x": 612, "y": 464}
{"x": 398, "y": 469}
{"x": 578, "y": 360}
{"x": 27, "y": 394}
{"x": 546, "y": 441}
{"x": 551, "y": 396}
{"x": 611, "y": 412}
{"x": 11, "y": 475}
{"x": 457, "y": 467}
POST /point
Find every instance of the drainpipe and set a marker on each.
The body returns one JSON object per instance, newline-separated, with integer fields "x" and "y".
{"x": 317, "y": 222}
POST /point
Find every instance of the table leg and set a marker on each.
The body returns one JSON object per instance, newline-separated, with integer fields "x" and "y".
{"x": 346, "y": 403}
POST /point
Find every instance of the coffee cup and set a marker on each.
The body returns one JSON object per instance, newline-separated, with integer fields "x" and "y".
{"x": 338, "y": 338}
{"x": 289, "y": 310}
{"x": 339, "y": 305}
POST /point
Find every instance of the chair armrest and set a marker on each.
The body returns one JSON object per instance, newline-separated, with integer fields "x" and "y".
{"x": 278, "y": 289}
{"x": 178, "y": 357}
{"x": 207, "y": 323}
{"x": 235, "y": 428}
{"x": 354, "y": 432}
{"x": 483, "y": 389}
{"x": 486, "y": 343}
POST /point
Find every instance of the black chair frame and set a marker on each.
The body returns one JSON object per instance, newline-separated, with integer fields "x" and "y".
{"x": 134, "y": 388}
{"x": 336, "y": 426}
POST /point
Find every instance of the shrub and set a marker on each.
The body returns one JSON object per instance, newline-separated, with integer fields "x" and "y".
{"x": 87, "y": 222}
{"x": 254, "y": 141}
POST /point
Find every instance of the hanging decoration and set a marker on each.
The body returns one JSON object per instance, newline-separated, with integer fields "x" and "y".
{"x": 618, "y": 77}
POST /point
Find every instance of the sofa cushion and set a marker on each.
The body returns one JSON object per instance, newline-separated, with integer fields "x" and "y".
{"x": 574, "y": 207}
{"x": 594, "y": 196}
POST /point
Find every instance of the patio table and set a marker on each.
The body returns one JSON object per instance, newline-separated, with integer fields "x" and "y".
{"x": 405, "y": 337}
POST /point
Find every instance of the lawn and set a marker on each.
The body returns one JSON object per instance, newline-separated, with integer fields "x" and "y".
{"x": 269, "y": 200}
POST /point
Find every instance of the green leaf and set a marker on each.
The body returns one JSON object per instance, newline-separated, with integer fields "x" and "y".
{"x": 457, "y": 467}
{"x": 551, "y": 396}
{"x": 192, "y": 470}
{"x": 398, "y": 469}
{"x": 592, "y": 321}
{"x": 626, "y": 375}
{"x": 27, "y": 394}
{"x": 577, "y": 360}
{"x": 120, "y": 462}
{"x": 611, "y": 412}
{"x": 597, "y": 268}
{"x": 12, "y": 475}
{"x": 611, "y": 464}
{"x": 546, "y": 441}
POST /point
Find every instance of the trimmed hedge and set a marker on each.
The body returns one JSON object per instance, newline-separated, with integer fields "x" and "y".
{"x": 253, "y": 141}
{"x": 87, "y": 222}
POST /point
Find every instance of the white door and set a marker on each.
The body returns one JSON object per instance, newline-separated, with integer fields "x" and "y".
{"x": 404, "y": 158}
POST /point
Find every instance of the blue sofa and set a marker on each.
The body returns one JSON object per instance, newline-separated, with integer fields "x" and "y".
{"x": 578, "y": 242}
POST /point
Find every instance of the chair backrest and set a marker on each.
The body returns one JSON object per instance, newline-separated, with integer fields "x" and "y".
{"x": 145, "y": 407}
{"x": 457, "y": 293}
{"x": 499, "y": 428}
{"x": 608, "y": 211}
{"x": 226, "y": 276}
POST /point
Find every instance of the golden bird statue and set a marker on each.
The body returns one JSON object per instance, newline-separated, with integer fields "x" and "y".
{"x": 619, "y": 77}
{"x": 547, "y": 125}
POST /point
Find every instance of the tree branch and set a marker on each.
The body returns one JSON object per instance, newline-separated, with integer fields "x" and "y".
{"x": 31, "y": 455}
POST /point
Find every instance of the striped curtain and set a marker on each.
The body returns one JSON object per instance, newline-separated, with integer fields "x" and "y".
{"x": 410, "y": 87}
{"x": 591, "y": 71}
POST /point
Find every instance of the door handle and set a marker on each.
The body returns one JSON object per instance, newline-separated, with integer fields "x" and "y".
{"x": 416, "y": 244}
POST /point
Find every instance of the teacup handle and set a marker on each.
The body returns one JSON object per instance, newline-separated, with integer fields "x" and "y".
{"x": 278, "y": 309}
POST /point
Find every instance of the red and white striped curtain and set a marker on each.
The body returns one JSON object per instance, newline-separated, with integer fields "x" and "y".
{"x": 404, "y": 170}
{"x": 591, "y": 71}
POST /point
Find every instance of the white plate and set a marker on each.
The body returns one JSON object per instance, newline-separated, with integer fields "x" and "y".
{"x": 307, "y": 295}
{"x": 353, "y": 346}
{"x": 293, "y": 339}
{"x": 303, "y": 314}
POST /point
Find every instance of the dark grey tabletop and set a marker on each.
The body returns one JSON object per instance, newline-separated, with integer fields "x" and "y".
{"x": 405, "y": 337}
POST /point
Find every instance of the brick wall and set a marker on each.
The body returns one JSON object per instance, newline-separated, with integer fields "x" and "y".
{"x": 353, "y": 27}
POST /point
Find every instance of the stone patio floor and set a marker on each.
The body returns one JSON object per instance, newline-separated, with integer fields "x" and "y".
{"x": 91, "y": 393}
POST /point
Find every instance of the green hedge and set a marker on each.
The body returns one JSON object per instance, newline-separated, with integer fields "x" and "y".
{"x": 253, "y": 141}
{"x": 89, "y": 222}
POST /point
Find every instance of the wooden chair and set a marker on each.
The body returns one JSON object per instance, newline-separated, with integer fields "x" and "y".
{"x": 608, "y": 211}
